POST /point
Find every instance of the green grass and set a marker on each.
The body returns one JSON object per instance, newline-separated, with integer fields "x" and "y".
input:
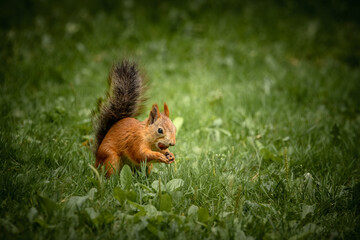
{"x": 269, "y": 146}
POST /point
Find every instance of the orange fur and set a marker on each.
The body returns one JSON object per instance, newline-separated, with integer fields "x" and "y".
{"x": 132, "y": 141}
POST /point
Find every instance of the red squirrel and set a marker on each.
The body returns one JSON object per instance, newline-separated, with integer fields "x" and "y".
{"x": 122, "y": 139}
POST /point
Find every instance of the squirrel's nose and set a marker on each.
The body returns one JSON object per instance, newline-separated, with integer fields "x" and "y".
{"x": 172, "y": 144}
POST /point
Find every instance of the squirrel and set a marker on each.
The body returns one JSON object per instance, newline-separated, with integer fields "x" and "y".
{"x": 119, "y": 137}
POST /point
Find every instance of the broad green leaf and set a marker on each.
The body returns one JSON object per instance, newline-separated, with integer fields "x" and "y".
{"x": 155, "y": 185}
{"x": 178, "y": 122}
{"x": 102, "y": 219}
{"x": 106, "y": 217}
{"x": 91, "y": 213}
{"x": 136, "y": 206}
{"x": 174, "y": 184}
{"x": 126, "y": 177}
{"x": 307, "y": 209}
{"x": 176, "y": 196}
{"x": 225, "y": 214}
{"x": 41, "y": 222}
{"x": 150, "y": 210}
{"x": 91, "y": 193}
{"x": 139, "y": 214}
{"x": 203, "y": 215}
{"x": 131, "y": 195}
{"x": 165, "y": 203}
{"x": 193, "y": 210}
{"x": 77, "y": 201}
{"x": 47, "y": 204}
{"x": 33, "y": 212}
{"x": 120, "y": 195}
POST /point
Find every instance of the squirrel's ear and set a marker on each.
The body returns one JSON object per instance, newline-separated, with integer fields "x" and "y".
{"x": 166, "y": 110}
{"x": 154, "y": 114}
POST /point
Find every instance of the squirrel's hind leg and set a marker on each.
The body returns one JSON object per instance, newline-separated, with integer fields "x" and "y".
{"x": 112, "y": 163}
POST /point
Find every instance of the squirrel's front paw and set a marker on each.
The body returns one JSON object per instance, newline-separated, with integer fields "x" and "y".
{"x": 163, "y": 158}
{"x": 170, "y": 156}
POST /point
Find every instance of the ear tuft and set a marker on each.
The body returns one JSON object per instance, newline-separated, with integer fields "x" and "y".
{"x": 166, "y": 110}
{"x": 154, "y": 114}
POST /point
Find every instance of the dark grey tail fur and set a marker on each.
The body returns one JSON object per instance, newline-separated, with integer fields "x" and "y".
{"x": 125, "y": 98}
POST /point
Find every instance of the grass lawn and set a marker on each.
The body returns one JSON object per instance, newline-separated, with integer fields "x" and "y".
{"x": 265, "y": 97}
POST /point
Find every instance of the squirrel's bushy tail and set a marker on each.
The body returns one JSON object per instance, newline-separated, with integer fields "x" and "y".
{"x": 124, "y": 99}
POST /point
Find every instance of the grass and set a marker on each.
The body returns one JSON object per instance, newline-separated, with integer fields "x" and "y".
{"x": 268, "y": 148}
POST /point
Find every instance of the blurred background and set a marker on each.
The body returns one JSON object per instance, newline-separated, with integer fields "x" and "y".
{"x": 45, "y": 42}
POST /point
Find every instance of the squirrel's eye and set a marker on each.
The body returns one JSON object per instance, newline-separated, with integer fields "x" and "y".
{"x": 160, "y": 130}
